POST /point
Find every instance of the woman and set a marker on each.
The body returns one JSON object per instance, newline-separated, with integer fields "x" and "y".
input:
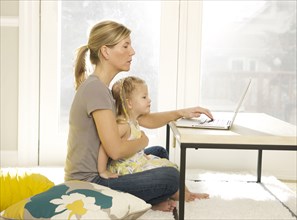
{"x": 92, "y": 121}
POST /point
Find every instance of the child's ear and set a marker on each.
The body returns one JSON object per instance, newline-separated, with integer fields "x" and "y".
{"x": 129, "y": 103}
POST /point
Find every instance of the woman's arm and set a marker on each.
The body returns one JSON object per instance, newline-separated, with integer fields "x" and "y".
{"x": 156, "y": 120}
{"x": 108, "y": 132}
{"x": 102, "y": 160}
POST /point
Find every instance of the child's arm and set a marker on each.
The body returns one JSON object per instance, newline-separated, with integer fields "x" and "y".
{"x": 102, "y": 164}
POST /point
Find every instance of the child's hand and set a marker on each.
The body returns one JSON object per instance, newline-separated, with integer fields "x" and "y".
{"x": 108, "y": 175}
{"x": 195, "y": 112}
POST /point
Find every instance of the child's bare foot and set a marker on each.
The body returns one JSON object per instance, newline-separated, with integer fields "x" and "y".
{"x": 166, "y": 206}
{"x": 192, "y": 196}
{"x": 189, "y": 196}
{"x": 202, "y": 196}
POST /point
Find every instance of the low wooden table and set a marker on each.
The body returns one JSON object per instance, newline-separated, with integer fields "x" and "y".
{"x": 250, "y": 131}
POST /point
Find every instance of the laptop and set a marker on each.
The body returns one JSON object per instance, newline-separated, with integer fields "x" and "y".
{"x": 218, "y": 123}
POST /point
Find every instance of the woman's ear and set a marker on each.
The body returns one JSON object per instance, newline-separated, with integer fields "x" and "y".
{"x": 104, "y": 52}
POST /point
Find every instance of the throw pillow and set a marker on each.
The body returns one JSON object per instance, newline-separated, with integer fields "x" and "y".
{"x": 78, "y": 200}
{"x": 18, "y": 184}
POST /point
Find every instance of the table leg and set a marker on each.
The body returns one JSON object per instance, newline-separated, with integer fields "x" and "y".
{"x": 182, "y": 182}
{"x": 259, "y": 166}
{"x": 167, "y": 138}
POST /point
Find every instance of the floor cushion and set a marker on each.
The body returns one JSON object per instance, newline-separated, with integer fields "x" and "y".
{"x": 18, "y": 184}
{"x": 78, "y": 200}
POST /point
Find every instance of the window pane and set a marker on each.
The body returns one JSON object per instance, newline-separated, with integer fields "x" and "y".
{"x": 250, "y": 39}
{"x": 77, "y": 17}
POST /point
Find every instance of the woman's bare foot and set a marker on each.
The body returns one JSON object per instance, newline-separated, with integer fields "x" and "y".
{"x": 166, "y": 206}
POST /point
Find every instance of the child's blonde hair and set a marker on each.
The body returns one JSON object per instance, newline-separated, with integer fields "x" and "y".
{"x": 121, "y": 91}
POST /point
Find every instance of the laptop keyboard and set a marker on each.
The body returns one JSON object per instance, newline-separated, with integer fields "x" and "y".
{"x": 215, "y": 122}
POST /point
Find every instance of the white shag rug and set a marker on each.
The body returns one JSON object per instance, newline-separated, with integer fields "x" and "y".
{"x": 235, "y": 196}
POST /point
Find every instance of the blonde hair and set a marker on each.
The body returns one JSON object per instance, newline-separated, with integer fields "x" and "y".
{"x": 121, "y": 91}
{"x": 108, "y": 33}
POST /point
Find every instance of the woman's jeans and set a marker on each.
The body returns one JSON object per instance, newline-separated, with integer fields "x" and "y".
{"x": 153, "y": 186}
{"x": 157, "y": 151}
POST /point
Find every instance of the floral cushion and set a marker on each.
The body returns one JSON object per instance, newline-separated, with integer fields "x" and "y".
{"x": 78, "y": 200}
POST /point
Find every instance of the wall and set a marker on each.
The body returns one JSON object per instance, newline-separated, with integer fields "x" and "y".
{"x": 19, "y": 83}
{"x": 9, "y": 75}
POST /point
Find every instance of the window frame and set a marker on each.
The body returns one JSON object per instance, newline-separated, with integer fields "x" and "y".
{"x": 189, "y": 60}
{"x": 28, "y": 95}
{"x": 52, "y": 146}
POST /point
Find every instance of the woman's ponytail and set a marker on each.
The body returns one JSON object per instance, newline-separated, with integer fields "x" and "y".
{"x": 80, "y": 66}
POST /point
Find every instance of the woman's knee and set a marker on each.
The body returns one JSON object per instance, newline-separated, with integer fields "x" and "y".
{"x": 163, "y": 153}
{"x": 171, "y": 177}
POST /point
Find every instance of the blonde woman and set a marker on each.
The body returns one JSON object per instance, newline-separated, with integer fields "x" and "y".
{"x": 92, "y": 120}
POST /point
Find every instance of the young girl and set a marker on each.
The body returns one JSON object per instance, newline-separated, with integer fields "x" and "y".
{"x": 132, "y": 101}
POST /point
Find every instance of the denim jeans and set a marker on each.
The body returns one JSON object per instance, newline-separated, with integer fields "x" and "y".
{"x": 157, "y": 151}
{"x": 153, "y": 186}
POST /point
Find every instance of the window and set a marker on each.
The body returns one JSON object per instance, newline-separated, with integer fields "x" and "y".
{"x": 77, "y": 17}
{"x": 237, "y": 65}
{"x": 250, "y": 39}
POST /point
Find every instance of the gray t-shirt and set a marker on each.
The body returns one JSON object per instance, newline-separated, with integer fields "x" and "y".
{"x": 83, "y": 140}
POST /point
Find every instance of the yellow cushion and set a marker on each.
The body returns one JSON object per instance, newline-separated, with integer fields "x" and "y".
{"x": 18, "y": 184}
{"x": 16, "y": 211}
